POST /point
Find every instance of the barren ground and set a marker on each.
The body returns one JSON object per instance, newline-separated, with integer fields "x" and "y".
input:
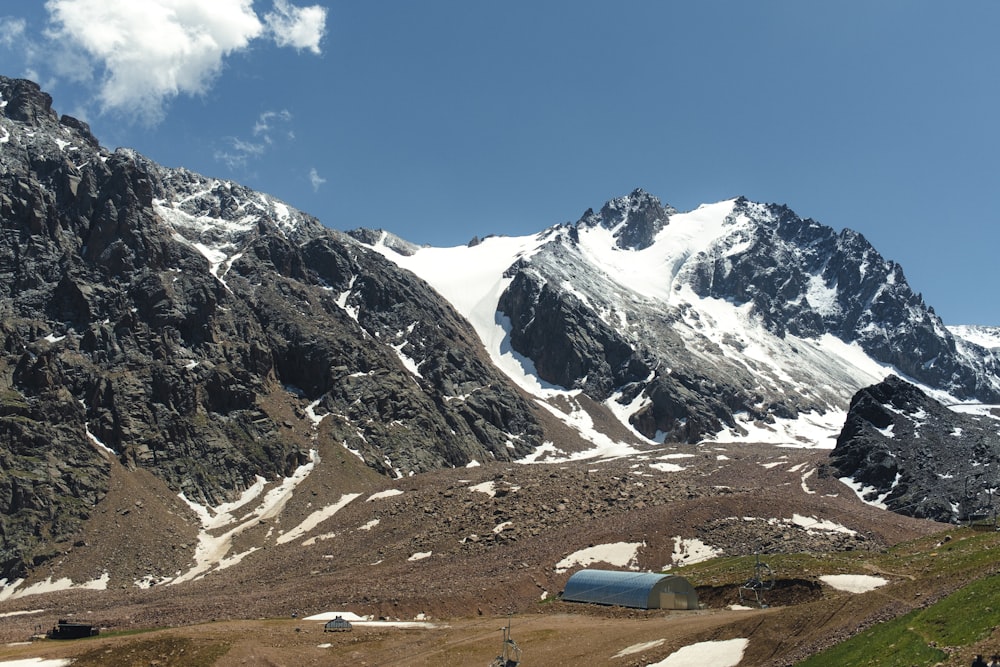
{"x": 475, "y": 577}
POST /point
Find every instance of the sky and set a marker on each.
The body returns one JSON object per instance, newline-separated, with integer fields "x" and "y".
{"x": 442, "y": 120}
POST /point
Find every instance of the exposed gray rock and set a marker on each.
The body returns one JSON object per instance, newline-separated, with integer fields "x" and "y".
{"x": 180, "y": 320}
{"x": 920, "y": 457}
{"x": 801, "y": 280}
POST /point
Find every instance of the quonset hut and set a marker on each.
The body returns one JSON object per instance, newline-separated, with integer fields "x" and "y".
{"x": 641, "y": 590}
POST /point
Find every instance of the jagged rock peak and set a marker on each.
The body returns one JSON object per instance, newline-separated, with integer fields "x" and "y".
{"x": 916, "y": 456}
{"x": 381, "y": 237}
{"x": 634, "y": 219}
{"x": 25, "y": 101}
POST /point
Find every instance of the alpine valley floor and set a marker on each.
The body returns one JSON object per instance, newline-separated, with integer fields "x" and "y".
{"x": 457, "y": 552}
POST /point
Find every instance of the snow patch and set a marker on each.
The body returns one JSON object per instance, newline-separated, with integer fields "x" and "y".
{"x": 48, "y": 586}
{"x": 489, "y": 488}
{"x": 853, "y": 583}
{"x": 811, "y": 523}
{"x": 689, "y": 551}
{"x": 638, "y": 648}
{"x": 805, "y": 487}
{"x": 725, "y": 653}
{"x": 316, "y": 518}
{"x": 667, "y": 467}
{"x": 94, "y": 439}
{"x": 619, "y": 554}
{"x": 388, "y": 493}
{"x": 212, "y": 551}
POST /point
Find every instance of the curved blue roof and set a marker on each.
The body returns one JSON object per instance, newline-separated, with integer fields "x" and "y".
{"x": 627, "y": 589}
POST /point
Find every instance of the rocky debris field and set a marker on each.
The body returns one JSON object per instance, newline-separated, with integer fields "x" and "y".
{"x": 475, "y": 543}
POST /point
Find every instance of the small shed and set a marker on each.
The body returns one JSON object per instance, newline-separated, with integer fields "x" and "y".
{"x": 641, "y": 590}
{"x": 338, "y": 624}
{"x": 67, "y": 630}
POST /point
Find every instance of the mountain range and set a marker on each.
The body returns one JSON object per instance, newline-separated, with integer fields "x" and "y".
{"x": 213, "y": 341}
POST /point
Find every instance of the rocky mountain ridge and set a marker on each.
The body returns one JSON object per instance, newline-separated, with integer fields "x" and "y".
{"x": 913, "y": 455}
{"x": 182, "y": 347}
{"x": 728, "y": 320}
{"x": 198, "y": 329}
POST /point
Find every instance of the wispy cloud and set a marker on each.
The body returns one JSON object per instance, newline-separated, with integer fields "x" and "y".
{"x": 144, "y": 53}
{"x": 11, "y": 30}
{"x": 239, "y": 152}
{"x": 316, "y": 179}
{"x": 267, "y": 122}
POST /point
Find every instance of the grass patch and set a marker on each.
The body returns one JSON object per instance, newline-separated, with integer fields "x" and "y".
{"x": 965, "y": 617}
{"x": 893, "y": 644}
{"x": 162, "y": 652}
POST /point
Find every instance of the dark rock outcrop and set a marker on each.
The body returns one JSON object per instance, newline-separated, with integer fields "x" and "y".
{"x": 919, "y": 457}
{"x": 176, "y": 322}
{"x": 634, "y": 219}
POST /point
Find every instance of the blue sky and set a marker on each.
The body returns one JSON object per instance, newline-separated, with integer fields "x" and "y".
{"x": 444, "y": 119}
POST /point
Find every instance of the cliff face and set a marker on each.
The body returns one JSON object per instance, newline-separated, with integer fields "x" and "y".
{"x": 724, "y": 314}
{"x": 194, "y": 327}
{"x": 915, "y": 456}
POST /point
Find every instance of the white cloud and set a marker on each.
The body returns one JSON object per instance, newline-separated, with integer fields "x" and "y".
{"x": 239, "y": 152}
{"x": 146, "y": 52}
{"x": 11, "y": 30}
{"x": 266, "y": 123}
{"x": 300, "y": 27}
{"x": 316, "y": 179}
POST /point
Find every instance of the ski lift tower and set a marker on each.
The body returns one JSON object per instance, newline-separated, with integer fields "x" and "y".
{"x": 510, "y": 653}
{"x": 758, "y": 584}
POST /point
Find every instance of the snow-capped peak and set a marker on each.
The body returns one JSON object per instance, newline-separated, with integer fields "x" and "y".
{"x": 719, "y": 322}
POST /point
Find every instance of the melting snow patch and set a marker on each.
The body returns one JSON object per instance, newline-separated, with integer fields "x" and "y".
{"x": 869, "y": 494}
{"x": 667, "y": 467}
{"x": 489, "y": 488}
{"x": 811, "y": 523}
{"x": 420, "y": 555}
{"x": 368, "y": 526}
{"x": 49, "y": 586}
{"x": 37, "y": 662}
{"x": 388, "y": 493}
{"x": 638, "y": 648}
{"x": 212, "y": 549}
{"x": 500, "y": 527}
{"x": 542, "y": 453}
{"x": 94, "y": 439}
{"x": 727, "y": 653}
{"x": 620, "y": 554}
{"x": 330, "y": 615}
{"x": 21, "y": 613}
{"x": 408, "y": 362}
{"x": 688, "y": 551}
{"x": 311, "y": 413}
{"x": 316, "y": 518}
{"x": 853, "y": 583}
{"x": 806, "y": 476}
